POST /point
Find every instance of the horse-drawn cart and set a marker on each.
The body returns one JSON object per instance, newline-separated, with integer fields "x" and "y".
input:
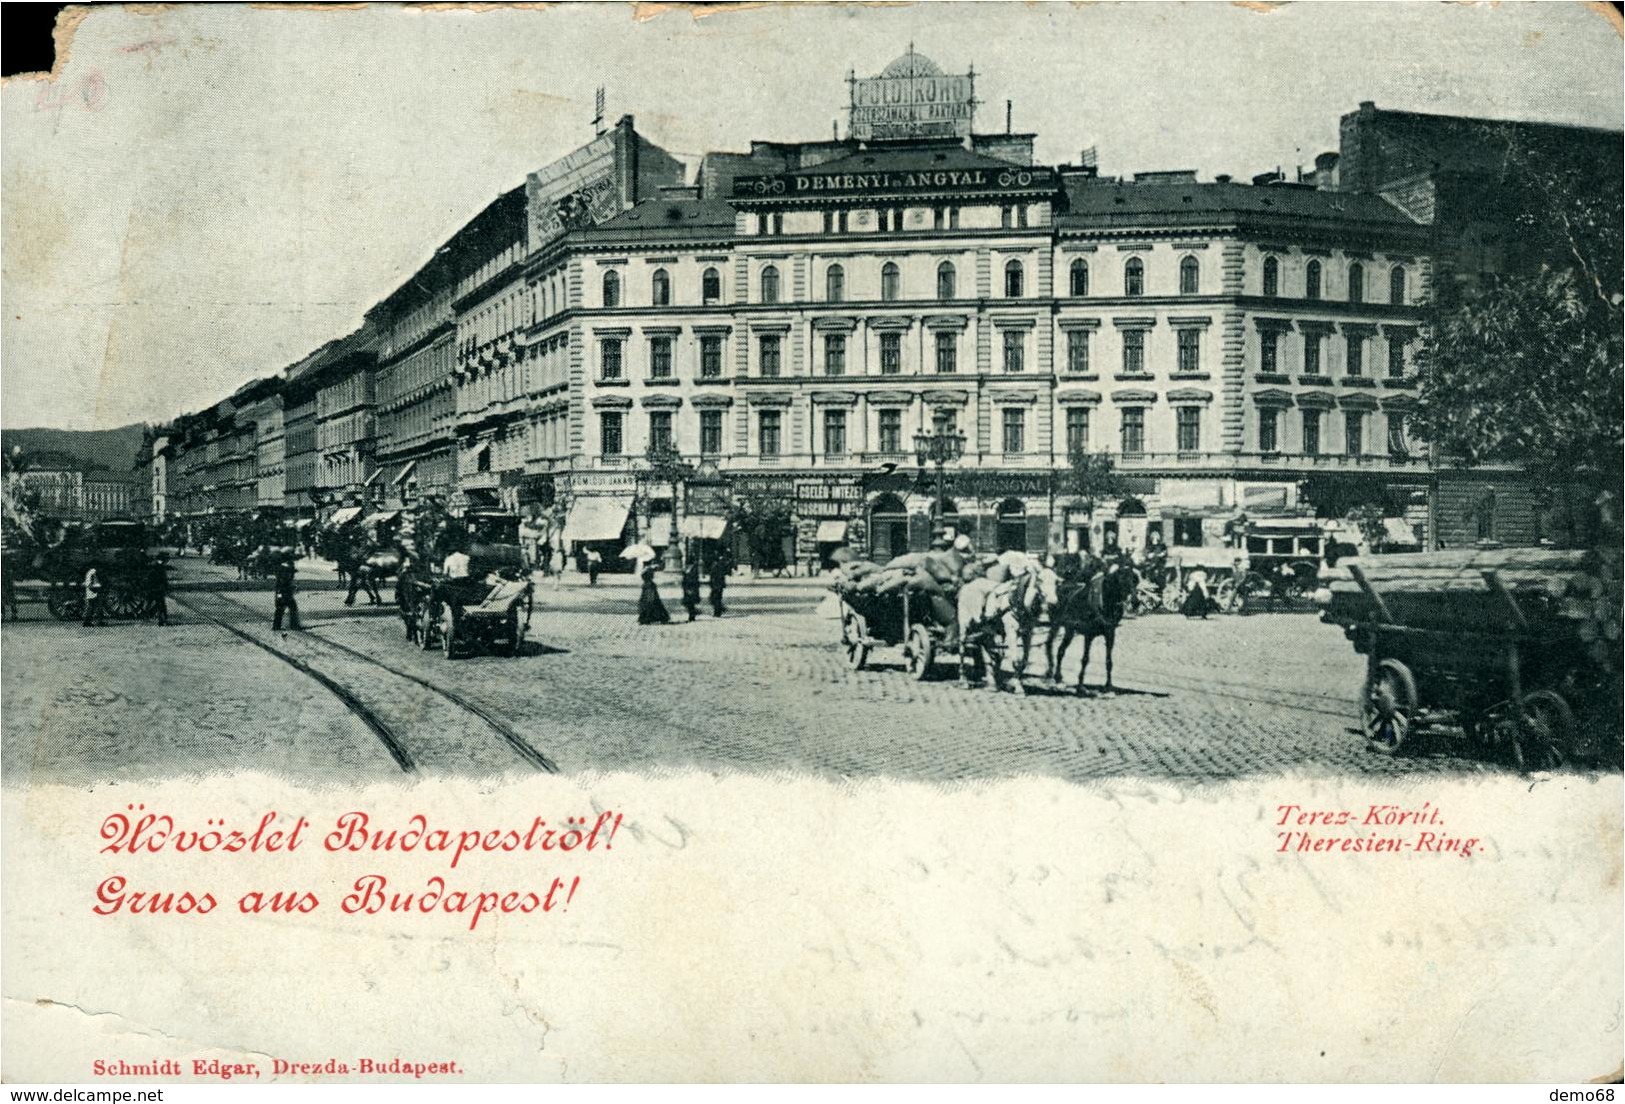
{"x": 921, "y": 624}
{"x": 127, "y": 569}
{"x": 454, "y": 614}
{"x": 1498, "y": 645}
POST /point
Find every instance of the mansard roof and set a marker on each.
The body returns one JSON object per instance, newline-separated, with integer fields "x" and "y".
{"x": 1093, "y": 203}
{"x": 664, "y": 218}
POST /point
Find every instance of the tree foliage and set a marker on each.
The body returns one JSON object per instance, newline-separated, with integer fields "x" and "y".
{"x": 1093, "y": 477}
{"x": 1525, "y": 367}
{"x": 764, "y": 520}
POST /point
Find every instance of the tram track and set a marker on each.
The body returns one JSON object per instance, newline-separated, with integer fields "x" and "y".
{"x": 387, "y": 733}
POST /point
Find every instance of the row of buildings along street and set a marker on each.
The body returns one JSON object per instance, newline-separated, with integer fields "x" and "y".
{"x": 795, "y": 320}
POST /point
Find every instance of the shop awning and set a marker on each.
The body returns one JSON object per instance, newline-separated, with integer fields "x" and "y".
{"x": 373, "y": 478}
{"x": 597, "y": 518}
{"x": 1399, "y": 531}
{"x": 380, "y": 517}
{"x": 659, "y": 533}
{"x": 704, "y": 527}
{"x": 831, "y": 532}
{"x": 304, "y": 523}
{"x": 344, "y": 516}
{"x": 403, "y": 473}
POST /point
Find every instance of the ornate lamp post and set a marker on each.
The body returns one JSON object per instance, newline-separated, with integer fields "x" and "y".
{"x": 941, "y": 448}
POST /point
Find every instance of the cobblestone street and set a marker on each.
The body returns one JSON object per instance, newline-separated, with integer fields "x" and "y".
{"x": 764, "y": 689}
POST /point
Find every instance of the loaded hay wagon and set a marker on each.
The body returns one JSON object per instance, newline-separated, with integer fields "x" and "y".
{"x": 910, "y": 602}
{"x": 1516, "y": 648}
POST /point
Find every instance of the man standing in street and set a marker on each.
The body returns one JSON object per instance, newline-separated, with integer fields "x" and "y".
{"x": 691, "y": 587}
{"x": 719, "y": 579}
{"x": 286, "y": 568}
{"x": 95, "y": 605}
{"x": 595, "y": 564}
{"x": 160, "y": 587}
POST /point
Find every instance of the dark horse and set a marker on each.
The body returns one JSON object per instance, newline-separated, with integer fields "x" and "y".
{"x": 1092, "y": 609}
{"x": 366, "y": 565}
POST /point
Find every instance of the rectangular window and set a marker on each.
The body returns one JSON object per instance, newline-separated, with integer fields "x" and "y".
{"x": 1077, "y": 352}
{"x": 834, "y": 354}
{"x": 1356, "y": 354}
{"x": 660, "y": 429}
{"x": 1269, "y": 420}
{"x": 1398, "y": 445}
{"x": 660, "y": 358}
{"x": 1188, "y": 532}
{"x": 1014, "y": 346}
{"x": 834, "y": 433}
{"x": 1354, "y": 433}
{"x": 1077, "y": 429}
{"x": 947, "y": 352}
{"x": 1133, "y": 352}
{"x": 1311, "y": 354}
{"x": 1189, "y": 428}
{"x": 944, "y": 421}
{"x": 891, "y": 431}
{"x": 1015, "y": 426}
{"x": 711, "y": 432}
{"x": 1268, "y": 352}
{"x": 1190, "y": 351}
{"x": 770, "y": 355}
{"x": 891, "y": 354}
{"x": 609, "y": 432}
{"x": 1396, "y": 358}
{"x": 767, "y": 423}
{"x": 1133, "y": 430}
{"x": 1311, "y": 433}
{"x": 609, "y": 358}
{"x": 710, "y": 356}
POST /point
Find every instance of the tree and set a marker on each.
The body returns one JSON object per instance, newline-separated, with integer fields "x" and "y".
{"x": 1525, "y": 367}
{"x": 764, "y": 520}
{"x": 667, "y": 467}
{"x": 1093, "y": 478}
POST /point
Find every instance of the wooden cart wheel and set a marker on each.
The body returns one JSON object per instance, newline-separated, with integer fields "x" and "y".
{"x": 448, "y": 630}
{"x": 1545, "y": 733}
{"x": 1388, "y": 707}
{"x": 1227, "y": 597}
{"x": 64, "y": 601}
{"x": 1172, "y": 599}
{"x": 426, "y": 625}
{"x": 852, "y": 636}
{"x": 921, "y": 652}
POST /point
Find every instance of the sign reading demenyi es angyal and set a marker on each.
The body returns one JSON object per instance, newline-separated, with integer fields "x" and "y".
{"x": 894, "y": 183}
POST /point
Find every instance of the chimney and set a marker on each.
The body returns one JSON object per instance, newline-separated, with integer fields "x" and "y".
{"x": 1009, "y": 108}
{"x": 1267, "y": 178}
{"x": 1222, "y": 178}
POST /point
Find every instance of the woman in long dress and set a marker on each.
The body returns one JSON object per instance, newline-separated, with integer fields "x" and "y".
{"x": 651, "y": 610}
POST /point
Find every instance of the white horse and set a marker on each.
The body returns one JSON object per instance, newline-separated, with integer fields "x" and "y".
{"x": 993, "y": 616}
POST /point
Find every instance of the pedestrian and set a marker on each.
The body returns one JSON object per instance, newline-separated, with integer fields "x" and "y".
{"x": 546, "y": 558}
{"x": 1197, "y": 601}
{"x": 651, "y": 610}
{"x": 8, "y": 599}
{"x": 595, "y": 564}
{"x": 160, "y": 588}
{"x": 719, "y": 579}
{"x": 691, "y": 587}
{"x": 95, "y": 604}
{"x": 286, "y": 569}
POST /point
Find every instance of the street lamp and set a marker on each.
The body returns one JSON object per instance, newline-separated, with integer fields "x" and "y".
{"x": 940, "y": 448}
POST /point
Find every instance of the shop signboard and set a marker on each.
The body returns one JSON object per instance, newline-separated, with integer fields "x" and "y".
{"x": 912, "y": 98}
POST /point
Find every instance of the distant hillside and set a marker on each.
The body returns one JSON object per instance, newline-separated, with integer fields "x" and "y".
{"x": 114, "y": 449}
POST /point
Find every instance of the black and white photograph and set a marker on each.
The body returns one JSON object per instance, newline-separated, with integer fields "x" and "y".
{"x": 795, "y": 542}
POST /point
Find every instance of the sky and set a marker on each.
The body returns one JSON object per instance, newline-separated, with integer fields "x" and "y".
{"x": 209, "y": 192}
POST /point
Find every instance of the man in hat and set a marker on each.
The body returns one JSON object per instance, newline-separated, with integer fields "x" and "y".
{"x": 595, "y": 564}
{"x": 160, "y": 587}
{"x": 719, "y": 580}
{"x": 286, "y": 570}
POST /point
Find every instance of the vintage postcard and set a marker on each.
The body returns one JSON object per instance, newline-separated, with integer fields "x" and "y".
{"x": 948, "y": 542}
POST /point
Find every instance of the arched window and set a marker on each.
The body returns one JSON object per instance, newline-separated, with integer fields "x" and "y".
{"x": 834, "y": 284}
{"x": 1190, "y": 276}
{"x": 1012, "y": 280}
{"x": 1134, "y": 277}
{"x": 770, "y": 284}
{"x": 946, "y": 284}
{"x": 660, "y": 288}
{"x": 711, "y": 286}
{"x": 1396, "y": 284}
{"x": 1356, "y": 282}
{"x": 612, "y": 290}
{"x": 1272, "y": 277}
{"x": 1311, "y": 281}
{"x": 890, "y": 282}
{"x": 1080, "y": 277}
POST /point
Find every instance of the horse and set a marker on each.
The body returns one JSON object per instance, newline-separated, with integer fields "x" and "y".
{"x": 367, "y": 569}
{"x": 1009, "y": 610}
{"x": 1094, "y": 608}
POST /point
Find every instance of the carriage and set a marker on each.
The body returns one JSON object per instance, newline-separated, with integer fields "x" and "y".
{"x": 1514, "y": 650}
{"x": 1225, "y": 568}
{"x": 118, "y": 550}
{"x": 458, "y": 614}
{"x": 921, "y": 624}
